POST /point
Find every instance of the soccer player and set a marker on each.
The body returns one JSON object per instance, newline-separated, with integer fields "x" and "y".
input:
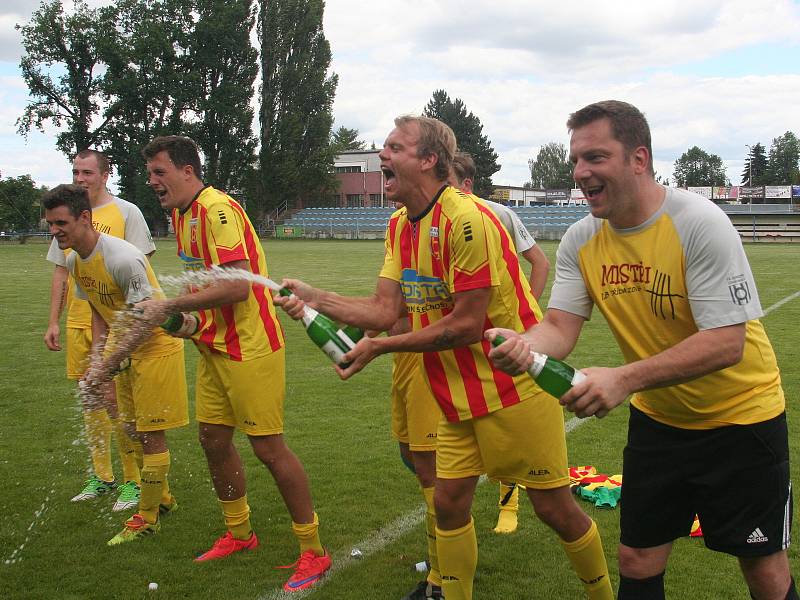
{"x": 464, "y": 174}
{"x": 112, "y": 274}
{"x": 668, "y": 271}
{"x": 451, "y": 267}
{"x": 240, "y": 374}
{"x": 114, "y": 216}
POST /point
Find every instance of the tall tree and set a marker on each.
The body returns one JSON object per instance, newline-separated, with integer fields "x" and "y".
{"x": 755, "y": 167}
{"x": 551, "y": 169}
{"x": 296, "y": 156}
{"x": 149, "y": 76}
{"x": 697, "y": 167}
{"x": 64, "y": 71}
{"x": 224, "y": 69}
{"x": 347, "y": 139}
{"x": 782, "y": 164}
{"x": 469, "y": 136}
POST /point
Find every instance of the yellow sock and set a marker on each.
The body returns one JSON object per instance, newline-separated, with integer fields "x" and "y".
{"x": 154, "y": 480}
{"x": 458, "y": 558}
{"x": 509, "y": 508}
{"x": 237, "y": 517}
{"x": 98, "y": 434}
{"x": 308, "y": 536}
{"x": 589, "y": 561}
{"x": 138, "y": 454}
{"x": 127, "y": 452}
{"x": 434, "y": 576}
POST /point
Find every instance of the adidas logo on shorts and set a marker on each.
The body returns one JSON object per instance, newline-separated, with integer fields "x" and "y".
{"x": 757, "y": 537}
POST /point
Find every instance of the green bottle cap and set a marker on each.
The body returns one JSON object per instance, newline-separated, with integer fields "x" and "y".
{"x": 498, "y": 339}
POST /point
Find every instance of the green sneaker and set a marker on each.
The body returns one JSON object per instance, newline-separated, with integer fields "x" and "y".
{"x": 167, "y": 509}
{"x": 94, "y": 488}
{"x": 129, "y": 493}
{"x": 135, "y": 528}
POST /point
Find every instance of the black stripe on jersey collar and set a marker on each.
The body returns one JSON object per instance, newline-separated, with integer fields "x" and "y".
{"x": 429, "y": 207}
{"x": 196, "y": 196}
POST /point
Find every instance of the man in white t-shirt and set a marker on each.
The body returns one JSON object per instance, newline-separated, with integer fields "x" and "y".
{"x": 116, "y": 217}
{"x": 667, "y": 270}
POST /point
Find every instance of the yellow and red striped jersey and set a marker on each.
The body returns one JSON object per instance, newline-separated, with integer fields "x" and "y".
{"x": 457, "y": 245}
{"x": 215, "y": 230}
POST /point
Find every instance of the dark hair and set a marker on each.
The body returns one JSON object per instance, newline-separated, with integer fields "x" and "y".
{"x": 73, "y": 196}
{"x": 102, "y": 160}
{"x": 436, "y": 138}
{"x": 628, "y": 124}
{"x": 463, "y": 167}
{"x": 182, "y": 151}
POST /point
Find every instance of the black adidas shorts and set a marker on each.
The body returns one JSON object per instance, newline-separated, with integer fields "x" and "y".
{"x": 735, "y": 478}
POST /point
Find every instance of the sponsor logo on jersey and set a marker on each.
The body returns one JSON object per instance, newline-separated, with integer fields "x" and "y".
{"x": 423, "y": 293}
{"x": 625, "y": 273}
{"x": 662, "y": 300}
{"x": 191, "y": 263}
{"x": 101, "y": 227}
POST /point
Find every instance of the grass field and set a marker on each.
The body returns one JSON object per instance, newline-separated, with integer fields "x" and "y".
{"x": 51, "y": 548}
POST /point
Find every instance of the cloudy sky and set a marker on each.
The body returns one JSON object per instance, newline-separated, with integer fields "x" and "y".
{"x": 718, "y": 74}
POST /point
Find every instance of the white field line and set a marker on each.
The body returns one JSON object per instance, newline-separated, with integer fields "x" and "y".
{"x": 404, "y": 523}
{"x": 780, "y": 303}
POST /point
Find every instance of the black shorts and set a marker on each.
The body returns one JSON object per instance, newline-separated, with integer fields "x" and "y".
{"x": 735, "y": 478}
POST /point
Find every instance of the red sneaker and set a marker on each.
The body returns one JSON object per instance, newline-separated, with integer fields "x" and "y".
{"x": 308, "y": 570}
{"x": 227, "y": 545}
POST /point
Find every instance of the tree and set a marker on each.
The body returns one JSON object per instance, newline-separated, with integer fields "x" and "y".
{"x": 149, "y": 76}
{"x": 347, "y": 139}
{"x": 469, "y": 136}
{"x": 296, "y": 157}
{"x": 63, "y": 69}
{"x": 551, "y": 169}
{"x": 697, "y": 167}
{"x": 224, "y": 69}
{"x": 782, "y": 164}
{"x": 755, "y": 167}
{"x": 19, "y": 204}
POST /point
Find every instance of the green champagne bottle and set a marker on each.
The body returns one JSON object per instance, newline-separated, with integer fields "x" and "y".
{"x": 552, "y": 375}
{"x": 183, "y": 323}
{"x": 324, "y": 333}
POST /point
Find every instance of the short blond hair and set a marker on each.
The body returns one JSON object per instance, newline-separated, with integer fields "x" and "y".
{"x": 435, "y": 137}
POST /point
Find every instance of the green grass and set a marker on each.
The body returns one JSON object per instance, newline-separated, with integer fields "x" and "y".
{"x": 51, "y": 548}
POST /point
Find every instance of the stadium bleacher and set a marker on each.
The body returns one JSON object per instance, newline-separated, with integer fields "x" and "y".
{"x": 547, "y": 222}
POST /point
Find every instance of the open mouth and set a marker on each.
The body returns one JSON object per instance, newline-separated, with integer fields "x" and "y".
{"x": 388, "y": 176}
{"x": 594, "y": 191}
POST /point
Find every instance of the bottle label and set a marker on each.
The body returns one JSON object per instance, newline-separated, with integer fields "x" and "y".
{"x": 340, "y": 333}
{"x": 190, "y": 324}
{"x": 538, "y": 364}
{"x": 578, "y": 377}
{"x": 333, "y": 351}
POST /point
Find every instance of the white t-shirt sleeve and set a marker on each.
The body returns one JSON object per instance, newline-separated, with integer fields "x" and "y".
{"x": 569, "y": 291}
{"x": 127, "y": 267}
{"x": 56, "y": 255}
{"x": 69, "y": 264}
{"x": 720, "y": 283}
{"x": 136, "y": 230}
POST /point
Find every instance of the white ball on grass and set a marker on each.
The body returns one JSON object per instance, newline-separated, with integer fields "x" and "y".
{"x": 153, "y": 586}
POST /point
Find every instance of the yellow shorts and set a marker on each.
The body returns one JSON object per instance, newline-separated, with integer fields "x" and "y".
{"x": 79, "y": 344}
{"x": 152, "y": 393}
{"x": 247, "y": 395}
{"x": 524, "y": 443}
{"x": 415, "y": 413}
